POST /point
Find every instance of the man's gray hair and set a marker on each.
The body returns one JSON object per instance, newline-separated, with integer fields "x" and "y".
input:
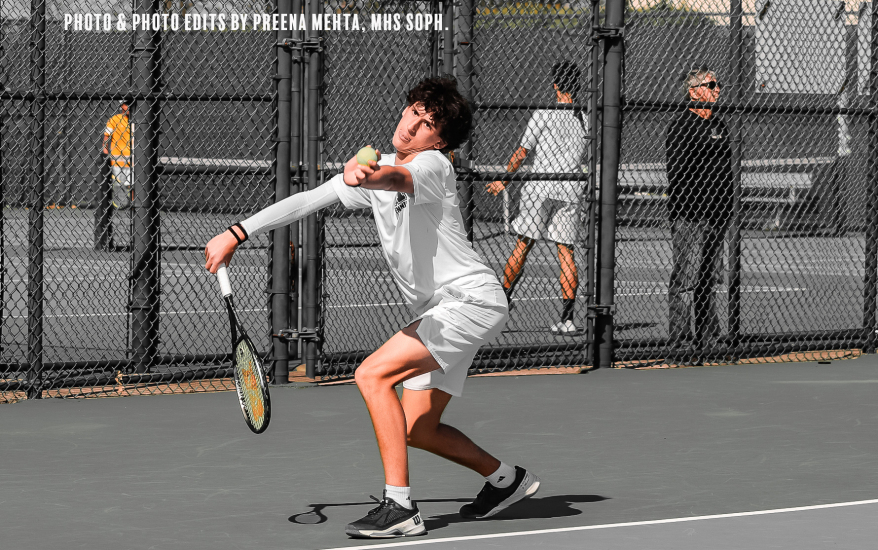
{"x": 693, "y": 77}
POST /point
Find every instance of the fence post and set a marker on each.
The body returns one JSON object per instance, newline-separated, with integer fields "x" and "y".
{"x": 2, "y": 185}
{"x": 448, "y": 37}
{"x": 312, "y": 285}
{"x": 469, "y": 93}
{"x": 734, "y": 280}
{"x": 434, "y": 43}
{"x": 37, "y": 201}
{"x": 280, "y": 237}
{"x": 145, "y": 230}
{"x": 871, "y": 279}
{"x": 593, "y": 79}
{"x": 611, "y": 146}
{"x": 103, "y": 199}
{"x": 296, "y": 94}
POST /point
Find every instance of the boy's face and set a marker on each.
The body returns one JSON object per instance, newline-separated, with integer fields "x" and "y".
{"x": 416, "y": 131}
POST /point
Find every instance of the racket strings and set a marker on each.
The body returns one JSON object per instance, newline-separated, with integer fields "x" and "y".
{"x": 251, "y": 387}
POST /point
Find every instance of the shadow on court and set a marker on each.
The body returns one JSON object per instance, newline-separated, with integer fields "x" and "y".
{"x": 556, "y": 506}
{"x": 533, "y": 508}
{"x": 315, "y": 514}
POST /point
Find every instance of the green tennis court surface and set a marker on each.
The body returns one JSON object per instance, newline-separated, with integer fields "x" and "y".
{"x": 629, "y": 460}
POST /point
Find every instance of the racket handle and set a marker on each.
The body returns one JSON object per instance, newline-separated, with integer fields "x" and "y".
{"x": 222, "y": 275}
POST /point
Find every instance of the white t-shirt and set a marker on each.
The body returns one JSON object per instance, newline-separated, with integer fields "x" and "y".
{"x": 422, "y": 235}
{"x": 559, "y": 139}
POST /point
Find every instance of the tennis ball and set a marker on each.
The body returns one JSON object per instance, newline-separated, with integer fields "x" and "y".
{"x": 366, "y": 154}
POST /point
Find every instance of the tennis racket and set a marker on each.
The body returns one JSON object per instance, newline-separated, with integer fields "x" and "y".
{"x": 250, "y": 381}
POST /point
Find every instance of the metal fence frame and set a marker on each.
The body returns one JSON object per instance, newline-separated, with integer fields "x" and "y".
{"x": 296, "y": 253}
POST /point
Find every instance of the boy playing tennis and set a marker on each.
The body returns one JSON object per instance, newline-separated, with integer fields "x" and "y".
{"x": 550, "y": 209}
{"x": 458, "y": 301}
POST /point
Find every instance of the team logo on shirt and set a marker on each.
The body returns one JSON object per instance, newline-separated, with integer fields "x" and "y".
{"x": 402, "y": 201}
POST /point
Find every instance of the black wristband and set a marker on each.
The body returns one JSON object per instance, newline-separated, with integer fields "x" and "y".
{"x": 244, "y": 231}
{"x": 235, "y": 234}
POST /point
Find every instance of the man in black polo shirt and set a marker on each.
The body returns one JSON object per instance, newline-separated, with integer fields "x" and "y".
{"x": 699, "y": 206}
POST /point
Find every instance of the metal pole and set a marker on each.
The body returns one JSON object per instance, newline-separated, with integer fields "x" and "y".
{"x": 448, "y": 37}
{"x": 465, "y": 76}
{"x": 313, "y": 56}
{"x": 870, "y": 290}
{"x": 2, "y": 187}
{"x": 280, "y": 237}
{"x": 610, "y": 152}
{"x": 296, "y": 97}
{"x": 592, "y": 186}
{"x": 145, "y": 224}
{"x": 37, "y": 200}
{"x": 103, "y": 197}
{"x": 736, "y": 39}
{"x": 434, "y": 43}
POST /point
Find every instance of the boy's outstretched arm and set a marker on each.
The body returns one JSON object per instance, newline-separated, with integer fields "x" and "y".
{"x": 221, "y": 248}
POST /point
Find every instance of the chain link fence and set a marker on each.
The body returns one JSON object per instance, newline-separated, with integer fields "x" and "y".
{"x": 754, "y": 244}
{"x": 148, "y": 145}
{"x": 743, "y": 228}
{"x": 503, "y": 58}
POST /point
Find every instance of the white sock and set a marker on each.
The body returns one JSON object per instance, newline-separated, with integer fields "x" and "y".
{"x": 400, "y": 495}
{"x": 503, "y": 477}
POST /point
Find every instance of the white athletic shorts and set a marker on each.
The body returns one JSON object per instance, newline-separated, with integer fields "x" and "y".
{"x": 546, "y": 218}
{"x": 467, "y": 315}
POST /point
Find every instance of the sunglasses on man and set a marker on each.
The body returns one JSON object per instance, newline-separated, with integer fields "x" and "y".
{"x": 712, "y": 85}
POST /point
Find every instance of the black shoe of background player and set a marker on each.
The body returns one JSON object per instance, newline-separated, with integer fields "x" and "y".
{"x": 388, "y": 520}
{"x": 492, "y": 500}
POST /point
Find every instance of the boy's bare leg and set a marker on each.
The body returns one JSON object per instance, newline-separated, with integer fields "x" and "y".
{"x": 569, "y": 275}
{"x": 515, "y": 263}
{"x": 423, "y": 411}
{"x": 402, "y": 357}
{"x": 505, "y": 485}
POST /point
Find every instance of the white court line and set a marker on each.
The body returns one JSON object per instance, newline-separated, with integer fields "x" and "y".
{"x": 123, "y": 313}
{"x": 745, "y": 290}
{"x": 377, "y": 304}
{"x": 615, "y": 525}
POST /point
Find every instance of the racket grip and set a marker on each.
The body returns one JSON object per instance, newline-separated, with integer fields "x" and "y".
{"x": 222, "y": 275}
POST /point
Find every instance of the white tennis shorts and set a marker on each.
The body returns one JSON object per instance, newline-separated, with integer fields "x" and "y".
{"x": 542, "y": 217}
{"x": 469, "y": 314}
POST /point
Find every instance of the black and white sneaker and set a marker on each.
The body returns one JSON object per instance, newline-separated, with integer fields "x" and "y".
{"x": 492, "y": 500}
{"x": 388, "y": 520}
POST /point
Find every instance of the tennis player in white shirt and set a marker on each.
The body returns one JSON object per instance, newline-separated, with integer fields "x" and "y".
{"x": 457, "y": 301}
{"x": 550, "y": 209}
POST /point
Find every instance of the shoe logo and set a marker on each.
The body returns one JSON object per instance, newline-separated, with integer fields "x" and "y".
{"x": 417, "y": 519}
{"x": 500, "y": 479}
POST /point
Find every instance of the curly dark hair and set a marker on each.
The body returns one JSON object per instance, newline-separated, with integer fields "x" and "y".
{"x": 566, "y": 75}
{"x": 451, "y": 112}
